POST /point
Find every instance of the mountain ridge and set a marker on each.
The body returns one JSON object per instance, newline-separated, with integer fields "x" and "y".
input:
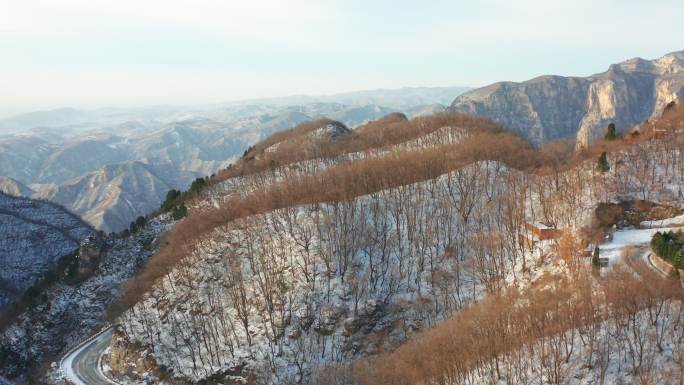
{"x": 551, "y": 107}
{"x": 178, "y": 144}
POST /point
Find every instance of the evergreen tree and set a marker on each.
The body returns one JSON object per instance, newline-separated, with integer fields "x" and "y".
{"x": 603, "y": 165}
{"x": 179, "y": 211}
{"x": 670, "y": 106}
{"x": 137, "y": 224}
{"x": 610, "y": 133}
{"x": 197, "y": 185}
{"x": 171, "y": 198}
{"x": 668, "y": 246}
{"x": 595, "y": 258}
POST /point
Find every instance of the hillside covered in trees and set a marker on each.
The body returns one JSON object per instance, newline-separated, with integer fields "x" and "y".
{"x": 323, "y": 245}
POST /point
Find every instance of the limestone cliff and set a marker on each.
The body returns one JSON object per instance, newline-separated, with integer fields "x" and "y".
{"x": 552, "y": 107}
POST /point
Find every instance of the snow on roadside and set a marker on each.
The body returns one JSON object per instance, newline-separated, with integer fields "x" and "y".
{"x": 621, "y": 239}
{"x": 67, "y": 365}
{"x": 674, "y": 221}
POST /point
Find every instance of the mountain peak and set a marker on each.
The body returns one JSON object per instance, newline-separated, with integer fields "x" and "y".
{"x": 552, "y": 107}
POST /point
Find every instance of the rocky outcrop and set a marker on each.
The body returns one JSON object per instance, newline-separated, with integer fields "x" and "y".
{"x": 89, "y": 253}
{"x": 14, "y": 187}
{"x": 130, "y": 359}
{"x": 330, "y": 132}
{"x": 553, "y": 107}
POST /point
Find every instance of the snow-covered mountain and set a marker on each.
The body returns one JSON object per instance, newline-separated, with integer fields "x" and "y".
{"x": 297, "y": 262}
{"x": 323, "y": 246}
{"x": 112, "y": 165}
{"x": 395, "y": 99}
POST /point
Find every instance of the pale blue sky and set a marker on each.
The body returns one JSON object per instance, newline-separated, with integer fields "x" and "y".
{"x": 89, "y": 53}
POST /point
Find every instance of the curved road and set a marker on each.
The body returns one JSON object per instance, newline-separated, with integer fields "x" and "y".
{"x": 81, "y": 366}
{"x": 649, "y": 262}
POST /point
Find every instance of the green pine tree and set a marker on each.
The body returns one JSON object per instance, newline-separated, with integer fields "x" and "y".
{"x": 671, "y": 105}
{"x": 197, "y": 185}
{"x": 179, "y": 211}
{"x": 595, "y": 258}
{"x": 137, "y": 224}
{"x": 610, "y": 133}
{"x": 603, "y": 165}
{"x": 171, "y": 198}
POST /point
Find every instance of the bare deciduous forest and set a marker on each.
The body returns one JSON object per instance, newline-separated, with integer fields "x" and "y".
{"x": 322, "y": 253}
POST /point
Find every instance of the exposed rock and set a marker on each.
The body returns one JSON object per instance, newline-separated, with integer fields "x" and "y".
{"x": 326, "y": 323}
{"x": 352, "y": 325}
{"x": 89, "y": 253}
{"x": 330, "y": 132}
{"x": 553, "y": 107}
{"x": 632, "y": 213}
{"x": 129, "y": 359}
{"x": 14, "y": 187}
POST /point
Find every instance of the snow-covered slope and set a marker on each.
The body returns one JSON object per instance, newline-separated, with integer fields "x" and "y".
{"x": 278, "y": 295}
{"x": 66, "y": 312}
{"x": 35, "y": 235}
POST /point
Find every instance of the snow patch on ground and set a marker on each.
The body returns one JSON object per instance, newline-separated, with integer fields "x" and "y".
{"x": 621, "y": 239}
{"x": 674, "y": 221}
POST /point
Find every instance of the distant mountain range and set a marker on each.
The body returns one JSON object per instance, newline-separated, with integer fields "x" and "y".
{"x": 552, "y": 107}
{"x": 111, "y": 178}
{"x": 397, "y": 99}
{"x": 111, "y": 165}
{"x": 401, "y": 99}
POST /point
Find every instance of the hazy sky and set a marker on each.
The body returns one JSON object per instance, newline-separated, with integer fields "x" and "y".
{"x": 88, "y": 53}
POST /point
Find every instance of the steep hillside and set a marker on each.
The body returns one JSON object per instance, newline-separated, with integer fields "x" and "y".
{"x": 110, "y": 179}
{"x": 66, "y": 309}
{"x": 35, "y": 236}
{"x": 302, "y": 257}
{"x": 13, "y": 187}
{"x": 552, "y": 107}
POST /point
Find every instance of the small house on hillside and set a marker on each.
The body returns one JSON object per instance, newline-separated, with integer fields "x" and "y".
{"x": 659, "y": 133}
{"x": 543, "y": 231}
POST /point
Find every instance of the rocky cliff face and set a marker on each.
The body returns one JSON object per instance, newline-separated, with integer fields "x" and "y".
{"x": 553, "y": 107}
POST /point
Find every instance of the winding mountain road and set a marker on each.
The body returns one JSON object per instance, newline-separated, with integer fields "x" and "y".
{"x": 82, "y": 365}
